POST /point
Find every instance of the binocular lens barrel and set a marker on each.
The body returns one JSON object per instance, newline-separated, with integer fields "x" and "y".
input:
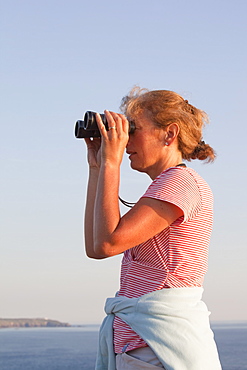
{"x": 89, "y": 128}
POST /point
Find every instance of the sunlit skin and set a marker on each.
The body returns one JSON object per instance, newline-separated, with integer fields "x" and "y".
{"x": 106, "y": 232}
{"x": 147, "y": 150}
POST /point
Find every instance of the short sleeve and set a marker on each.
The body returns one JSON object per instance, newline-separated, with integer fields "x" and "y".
{"x": 179, "y": 187}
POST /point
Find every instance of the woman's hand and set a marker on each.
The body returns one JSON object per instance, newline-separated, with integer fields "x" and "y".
{"x": 113, "y": 141}
{"x": 93, "y": 151}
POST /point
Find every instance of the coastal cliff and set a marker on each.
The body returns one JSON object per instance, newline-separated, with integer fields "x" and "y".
{"x": 31, "y": 323}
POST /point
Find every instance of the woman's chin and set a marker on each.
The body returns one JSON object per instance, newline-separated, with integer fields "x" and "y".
{"x": 136, "y": 168}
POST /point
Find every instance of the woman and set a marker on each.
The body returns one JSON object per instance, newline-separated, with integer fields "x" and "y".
{"x": 158, "y": 318}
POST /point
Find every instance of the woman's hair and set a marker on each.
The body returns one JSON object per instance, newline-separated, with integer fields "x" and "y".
{"x": 165, "y": 107}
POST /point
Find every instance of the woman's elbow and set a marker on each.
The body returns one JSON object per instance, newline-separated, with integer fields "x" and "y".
{"x": 94, "y": 256}
{"x": 91, "y": 253}
{"x": 104, "y": 250}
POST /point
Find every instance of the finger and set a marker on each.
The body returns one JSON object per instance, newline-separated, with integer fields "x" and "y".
{"x": 121, "y": 122}
{"x": 100, "y": 124}
{"x": 111, "y": 120}
{"x": 125, "y": 123}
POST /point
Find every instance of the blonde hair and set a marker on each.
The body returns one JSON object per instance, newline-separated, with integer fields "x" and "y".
{"x": 165, "y": 107}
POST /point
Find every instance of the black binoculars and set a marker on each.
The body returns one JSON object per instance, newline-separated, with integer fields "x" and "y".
{"x": 89, "y": 128}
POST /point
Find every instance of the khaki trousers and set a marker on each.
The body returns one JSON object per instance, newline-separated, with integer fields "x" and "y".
{"x": 140, "y": 358}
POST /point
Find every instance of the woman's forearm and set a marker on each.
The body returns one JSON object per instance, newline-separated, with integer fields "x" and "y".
{"x": 89, "y": 213}
{"x": 106, "y": 210}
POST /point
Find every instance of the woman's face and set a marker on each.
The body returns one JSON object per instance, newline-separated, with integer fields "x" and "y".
{"x": 146, "y": 147}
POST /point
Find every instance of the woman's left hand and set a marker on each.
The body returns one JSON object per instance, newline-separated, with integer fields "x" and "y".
{"x": 113, "y": 141}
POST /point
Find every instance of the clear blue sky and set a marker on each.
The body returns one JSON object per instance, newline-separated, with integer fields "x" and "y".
{"x": 61, "y": 58}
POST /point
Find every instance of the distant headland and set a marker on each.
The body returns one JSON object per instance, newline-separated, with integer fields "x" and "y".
{"x": 31, "y": 323}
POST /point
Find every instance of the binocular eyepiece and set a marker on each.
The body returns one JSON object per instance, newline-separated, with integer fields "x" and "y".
{"x": 89, "y": 128}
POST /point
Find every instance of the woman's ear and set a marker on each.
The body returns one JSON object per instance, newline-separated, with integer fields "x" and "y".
{"x": 172, "y": 132}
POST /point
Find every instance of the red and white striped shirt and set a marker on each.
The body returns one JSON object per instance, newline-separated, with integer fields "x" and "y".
{"x": 177, "y": 256}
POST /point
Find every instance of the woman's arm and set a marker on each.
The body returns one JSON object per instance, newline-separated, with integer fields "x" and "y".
{"x": 93, "y": 147}
{"x": 89, "y": 214}
{"x": 147, "y": 218}
{"x": 112, "y": 234}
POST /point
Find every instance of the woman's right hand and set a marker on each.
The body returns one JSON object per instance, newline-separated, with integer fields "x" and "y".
{"x": 93, "y": 151}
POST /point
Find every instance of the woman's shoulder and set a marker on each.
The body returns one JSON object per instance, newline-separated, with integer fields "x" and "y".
{"x": 179, "y": 173}
{"x": 179, "y": 179}
{"x": 176, "y": 173}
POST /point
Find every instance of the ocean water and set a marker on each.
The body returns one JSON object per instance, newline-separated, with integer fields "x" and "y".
{"x": 71, "y": 348}
{"x": 74, "y": 348}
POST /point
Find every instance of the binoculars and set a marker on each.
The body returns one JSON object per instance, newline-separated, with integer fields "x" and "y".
{"x": 89, "y": 128}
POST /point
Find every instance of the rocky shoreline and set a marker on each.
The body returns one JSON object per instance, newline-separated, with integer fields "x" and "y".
{"x": 31, "y": 323}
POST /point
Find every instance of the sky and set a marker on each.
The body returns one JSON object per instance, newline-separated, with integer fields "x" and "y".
{"x": 62, "y": 58}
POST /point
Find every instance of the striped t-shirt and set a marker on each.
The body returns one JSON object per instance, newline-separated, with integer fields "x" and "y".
{"x": 177, "y": 256}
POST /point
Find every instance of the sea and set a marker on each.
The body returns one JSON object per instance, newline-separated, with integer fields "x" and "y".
{"x": 74, "y": 348}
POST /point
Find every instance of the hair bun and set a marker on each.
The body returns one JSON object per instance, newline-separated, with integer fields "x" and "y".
{"x": 203, "y": 152}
